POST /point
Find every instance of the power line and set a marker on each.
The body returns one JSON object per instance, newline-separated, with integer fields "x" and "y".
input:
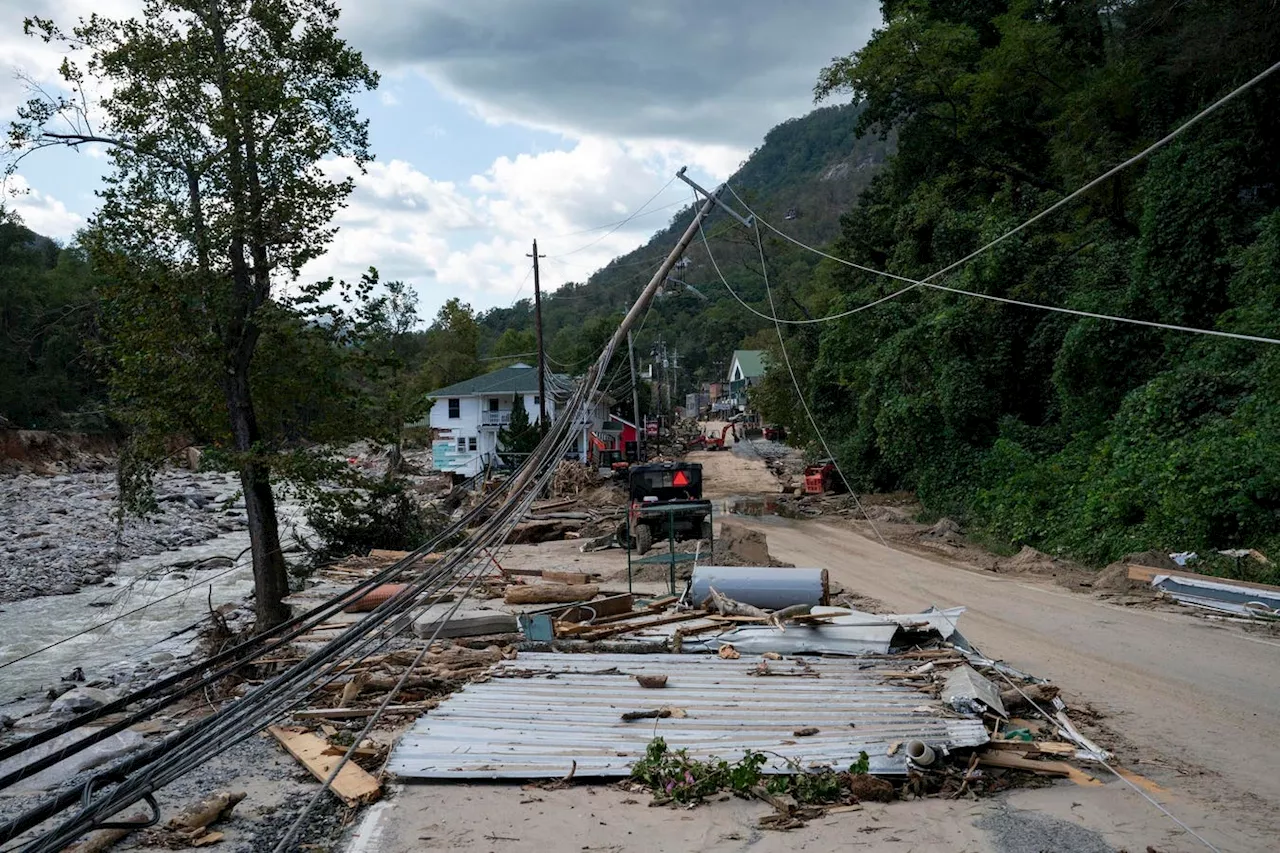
{"x": 623, "y": 221}
{"x": 928, "y": 282}
{"x": 786, "y": 359}
{"x": 619, "y": 224}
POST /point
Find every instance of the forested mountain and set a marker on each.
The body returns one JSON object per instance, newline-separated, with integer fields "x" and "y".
{"x": 1084, "y": 436}
{"x": 812, "y": 167}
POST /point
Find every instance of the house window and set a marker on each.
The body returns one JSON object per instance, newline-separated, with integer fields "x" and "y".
{"x": 471, "y": 443}
{"x": 455, "y": 408}
{"x": 537, "y": 401}
{"x": 462, "y": 444}
{"x": 493, "y": 404}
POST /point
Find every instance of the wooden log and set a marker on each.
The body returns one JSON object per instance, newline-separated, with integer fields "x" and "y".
{"x": 572, "y": 578}
{"x": 212, "y": 808}
{"x": 550, "y": 593}
{"x": 105, "y": 839}
{"x": 353, "y": 785}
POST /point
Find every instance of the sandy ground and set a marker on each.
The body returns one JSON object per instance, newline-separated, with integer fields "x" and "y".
{"x": 1185, "y": 702}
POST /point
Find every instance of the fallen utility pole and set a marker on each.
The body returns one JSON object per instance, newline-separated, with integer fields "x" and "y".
{"x": 542, "y": 352}
{"x": 640, "y": 306}
{"x": 635, "y": 393}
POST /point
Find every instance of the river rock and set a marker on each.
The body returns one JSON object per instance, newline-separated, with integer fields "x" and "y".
{"x": 81, "y": 699}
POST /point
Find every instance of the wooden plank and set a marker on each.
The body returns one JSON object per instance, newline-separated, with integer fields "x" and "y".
{"x": 640, "y": 626}
{"x": 353, "y": 785}
{"x": 1013, "y": 761}
{"x": 1146, "y": 574}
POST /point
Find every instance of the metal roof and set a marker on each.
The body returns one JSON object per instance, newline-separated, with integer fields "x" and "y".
{"x": 541, "y": 712}
{"x": 516, "y": 379}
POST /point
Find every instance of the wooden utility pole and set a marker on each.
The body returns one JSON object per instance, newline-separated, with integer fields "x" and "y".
{"x": 638, "y": 308}
{"x": 635, "y": 392}
{"x": 542, "y": 353}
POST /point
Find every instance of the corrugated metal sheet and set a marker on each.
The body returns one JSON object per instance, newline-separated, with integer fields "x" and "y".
{"x": 1223, "y": 596}
{"x": 542, "y": 712}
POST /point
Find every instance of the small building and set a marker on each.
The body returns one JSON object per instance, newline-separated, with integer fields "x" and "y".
{"x": 746, "y": 369}
{"x": 466, "y": 417}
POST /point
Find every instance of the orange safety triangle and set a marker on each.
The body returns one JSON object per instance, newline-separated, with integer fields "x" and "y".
{"x": 680, "y": 479}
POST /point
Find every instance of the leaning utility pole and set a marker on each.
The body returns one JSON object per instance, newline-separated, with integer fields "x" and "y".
{"x": 638, "y": 308}
{"x": 635, "y": 390}
{"x": 542, "y": 353}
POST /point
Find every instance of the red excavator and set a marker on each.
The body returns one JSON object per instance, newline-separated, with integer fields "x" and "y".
{"x": 711, "y": 442}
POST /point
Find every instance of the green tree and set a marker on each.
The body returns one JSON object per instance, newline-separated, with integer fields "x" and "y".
{"x": 395, "y": 394}
{"x": 218, "y": 116}
{"x": 452, "y": 346}
{"x": 521, "y": 435}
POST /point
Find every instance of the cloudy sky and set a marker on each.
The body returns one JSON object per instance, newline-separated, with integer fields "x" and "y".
{"x": 499, "y": 121}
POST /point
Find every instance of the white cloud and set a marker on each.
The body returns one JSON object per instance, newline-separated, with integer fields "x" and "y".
{"x": 471, "y": 240}
{"x": 388, "y": 98}
{"x": 40, "y": 212}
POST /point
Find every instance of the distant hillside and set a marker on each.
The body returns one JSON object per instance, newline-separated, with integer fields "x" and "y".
{"x": 812, "y": 168}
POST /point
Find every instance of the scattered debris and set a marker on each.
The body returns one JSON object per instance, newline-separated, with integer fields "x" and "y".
{"x": 353, "y": 785}
{"x": 969, "y": 693}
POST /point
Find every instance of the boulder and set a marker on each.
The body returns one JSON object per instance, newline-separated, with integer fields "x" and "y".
{"x": 81, "y": 699}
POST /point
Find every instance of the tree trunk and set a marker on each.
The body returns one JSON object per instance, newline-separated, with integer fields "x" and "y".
{"x": 270, "y": 576}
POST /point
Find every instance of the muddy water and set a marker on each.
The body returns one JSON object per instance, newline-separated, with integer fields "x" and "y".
{"x": 179, "y": 599}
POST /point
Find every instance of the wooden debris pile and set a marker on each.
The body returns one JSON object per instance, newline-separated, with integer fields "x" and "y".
{"x": 569, "y": 518}
{"x": 573, "y": 478}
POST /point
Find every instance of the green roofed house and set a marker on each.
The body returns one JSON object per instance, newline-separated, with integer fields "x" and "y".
{"x": 465, "y": 417}
{"x": 746, "y": 368}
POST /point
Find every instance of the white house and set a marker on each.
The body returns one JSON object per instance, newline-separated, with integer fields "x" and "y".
{"x": 466, "y": 417}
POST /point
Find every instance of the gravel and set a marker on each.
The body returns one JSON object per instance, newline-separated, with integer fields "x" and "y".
{"x": 1017, "y": 831}
{"x": 61, "y": 532}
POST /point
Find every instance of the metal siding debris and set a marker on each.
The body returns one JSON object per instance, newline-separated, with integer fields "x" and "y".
{"x": 1220, "y": 595}
{"x": 760, "y": 586}
{"x": 968, "y": 692}
{"x": 933, "y": 619}
{"x": 540, "y": 713}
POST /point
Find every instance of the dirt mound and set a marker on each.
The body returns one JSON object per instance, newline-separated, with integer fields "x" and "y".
{"x": 1028, "y": 560}
{"x": 1154, "y": 559}
{"x": 1115, "y": 578}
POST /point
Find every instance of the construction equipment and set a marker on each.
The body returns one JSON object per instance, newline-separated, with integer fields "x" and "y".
{"x": 820, "y": 478}
{"x": 666, "y": 503}
{"x": 713, "y": 442}
{"x": 774, "y": 432}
